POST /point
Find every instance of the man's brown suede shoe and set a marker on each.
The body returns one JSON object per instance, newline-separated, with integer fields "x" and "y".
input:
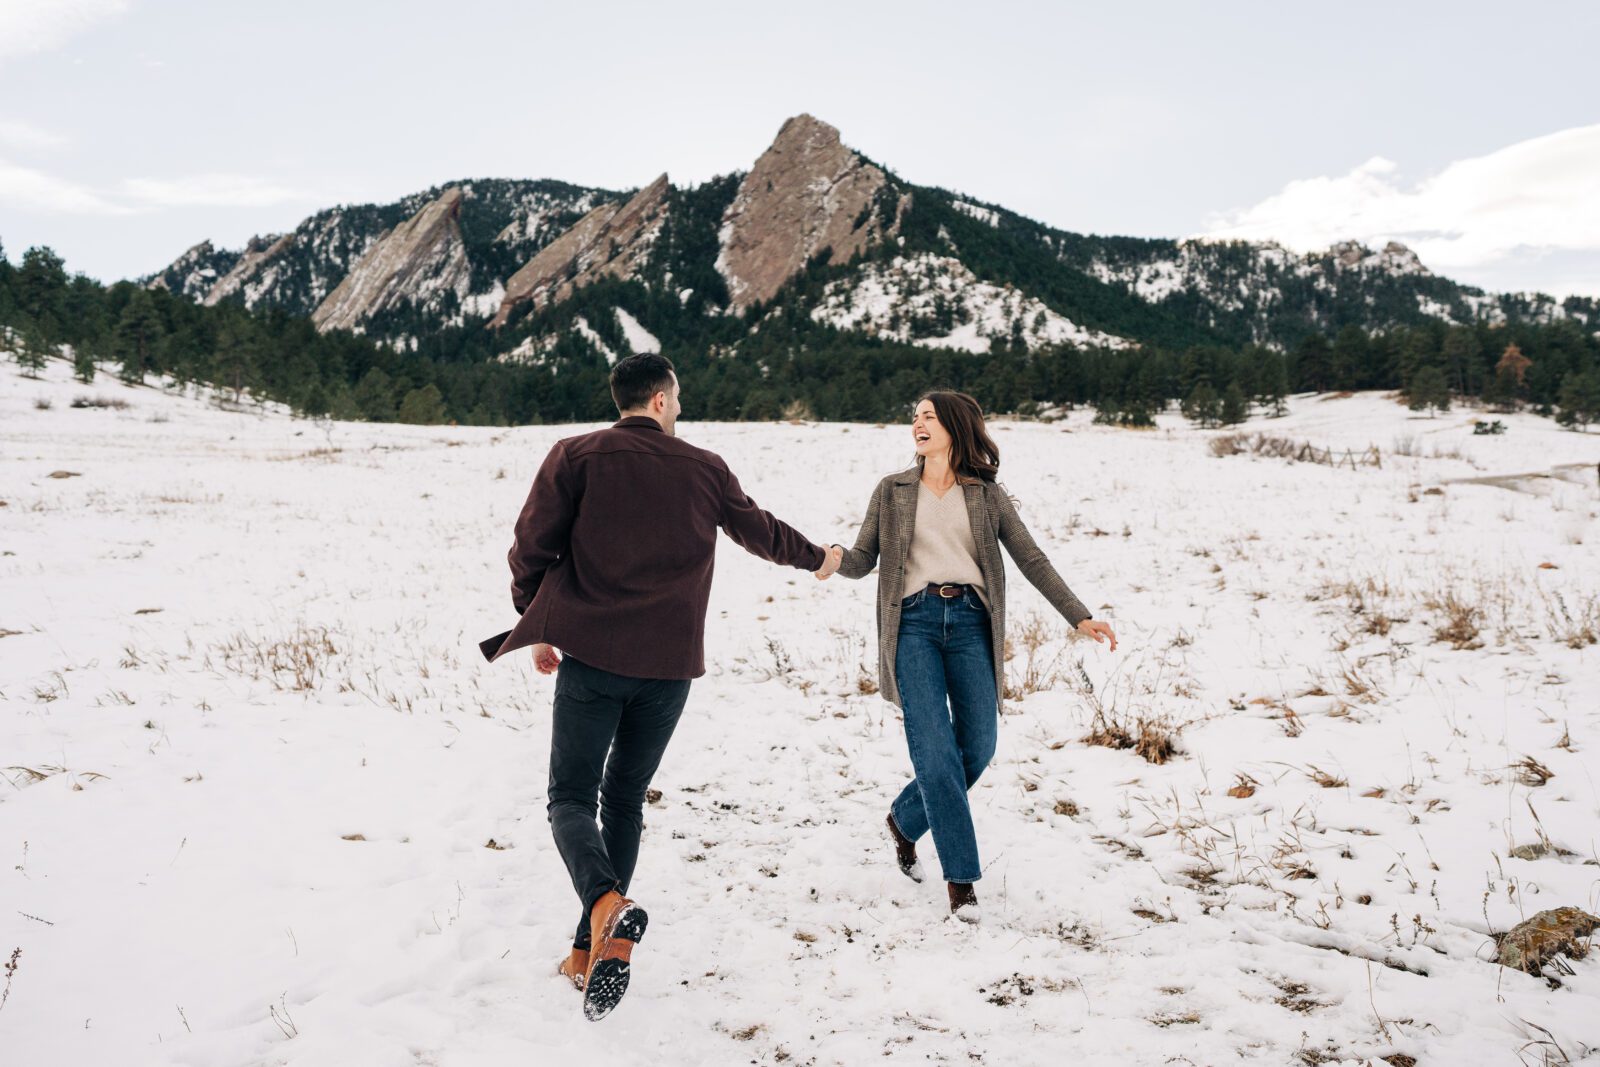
{"x": 575, "y": 966}
{"x": 616, "y": 924}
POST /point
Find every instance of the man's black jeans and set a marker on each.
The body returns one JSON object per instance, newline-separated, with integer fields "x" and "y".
{"x": 597, "y": 712}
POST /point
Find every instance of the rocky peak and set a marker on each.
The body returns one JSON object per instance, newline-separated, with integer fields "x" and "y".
{"x": 1395, "y": 258}
{"x": 422, "y": 255}
{"x": 257, "y": 255}
{"x": 613, "y": 240}
{"x": 806, "y": 193}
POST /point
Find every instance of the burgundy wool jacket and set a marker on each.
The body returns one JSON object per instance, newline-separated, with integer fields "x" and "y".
{"x": 613, "y": 552}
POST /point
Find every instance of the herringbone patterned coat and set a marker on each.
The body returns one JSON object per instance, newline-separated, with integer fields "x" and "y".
{"x": 885, "y": 539}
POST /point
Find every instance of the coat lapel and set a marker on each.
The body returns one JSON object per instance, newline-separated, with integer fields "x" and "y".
{"x": 978, "y": 520}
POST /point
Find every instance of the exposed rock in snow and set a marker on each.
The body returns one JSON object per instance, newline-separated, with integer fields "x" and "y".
{"x": 610, "y": 241}
{"x": 806, "y": 193}
{"x": 419, "y": 258}
{"x": 937, "y": 302}
{"x": 253, "y": 268}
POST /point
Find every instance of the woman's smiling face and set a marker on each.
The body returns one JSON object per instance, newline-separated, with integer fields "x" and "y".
{"x": 930, "y": 436}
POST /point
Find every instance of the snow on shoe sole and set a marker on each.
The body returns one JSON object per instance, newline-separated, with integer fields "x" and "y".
{"x": 608, "y": 978}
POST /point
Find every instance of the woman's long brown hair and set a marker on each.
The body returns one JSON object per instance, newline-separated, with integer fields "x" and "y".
{"x": 973, "y": 453}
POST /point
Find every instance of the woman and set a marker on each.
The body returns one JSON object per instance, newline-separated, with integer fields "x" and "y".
{"x": 935, "y": 530}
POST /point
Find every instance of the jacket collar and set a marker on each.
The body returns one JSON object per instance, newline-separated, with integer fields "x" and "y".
{"x": 643, "y": 422}
{"x": 913, "y": 475}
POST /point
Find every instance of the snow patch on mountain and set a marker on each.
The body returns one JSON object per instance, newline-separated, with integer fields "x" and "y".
{"x": 982, "y": 214}
{"x": 482, "y": 305}
{"x": 581, "y": 324}
{"x": 639, "y": 339}
{"x": 936, "y": 302}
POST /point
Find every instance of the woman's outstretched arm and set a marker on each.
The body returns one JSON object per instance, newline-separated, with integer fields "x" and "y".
{"x": 859, "y": 561}
{"x": 1034, "y": 564}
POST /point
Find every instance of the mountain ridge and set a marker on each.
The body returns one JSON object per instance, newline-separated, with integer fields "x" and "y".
{"x": 865, "y": 252}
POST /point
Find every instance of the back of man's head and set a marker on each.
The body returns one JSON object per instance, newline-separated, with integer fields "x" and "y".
{"x": 638, "y": 378}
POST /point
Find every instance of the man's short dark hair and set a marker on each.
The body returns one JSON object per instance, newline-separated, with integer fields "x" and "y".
{"x": 638, "y": 378}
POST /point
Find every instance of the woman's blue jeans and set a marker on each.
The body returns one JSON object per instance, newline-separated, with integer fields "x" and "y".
{"x": 944, "y": 655}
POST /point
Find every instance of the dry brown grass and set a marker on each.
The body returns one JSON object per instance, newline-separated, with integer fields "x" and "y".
{"x": 1041, "y": 668}
{"x": 1155, "y": 741}
{"x": 1461, "y": 619}
{"x": 298, "y": 662}
{"x": 1530, "y": 772}
{"x": 1576, "y": 627}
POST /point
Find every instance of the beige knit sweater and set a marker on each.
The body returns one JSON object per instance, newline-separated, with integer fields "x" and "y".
{"x": 942, "y": 548}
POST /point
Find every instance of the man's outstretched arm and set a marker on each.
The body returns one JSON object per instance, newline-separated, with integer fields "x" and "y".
{"x": 763, "y": 534}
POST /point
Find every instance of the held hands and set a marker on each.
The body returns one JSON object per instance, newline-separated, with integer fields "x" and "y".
{"x": 1098, "y": 630}
{"x": 830, "y": 563}
{"x": 545, "y": 660}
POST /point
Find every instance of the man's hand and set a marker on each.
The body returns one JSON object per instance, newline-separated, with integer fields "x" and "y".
{"x": 830, "y": 563}
{"x": 545, "y": 660}
{"x": 1098, "y": 630}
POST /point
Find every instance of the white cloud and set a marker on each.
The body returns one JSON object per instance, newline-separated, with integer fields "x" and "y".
{"x": 31, "y": 188}
{"x": 208, "y": 190}
{"x": 22, "y": 137}
{"x": 37, "y": 190}
{"x": 31, "y": 26}
{"x": 1525, "y": 201}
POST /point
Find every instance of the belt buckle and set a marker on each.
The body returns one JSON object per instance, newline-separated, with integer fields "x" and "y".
{"x": 949, "y": 596}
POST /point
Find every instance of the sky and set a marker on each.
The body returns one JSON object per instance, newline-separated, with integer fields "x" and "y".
{"x": 133, "y": 129}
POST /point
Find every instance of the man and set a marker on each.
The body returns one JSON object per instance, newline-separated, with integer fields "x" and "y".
{"x": 612, "y": 565}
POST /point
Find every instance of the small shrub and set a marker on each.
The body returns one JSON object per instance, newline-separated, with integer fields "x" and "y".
{"x": 115, "y": 403}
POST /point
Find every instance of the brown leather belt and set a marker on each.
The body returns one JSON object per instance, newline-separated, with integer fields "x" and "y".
{"x": 948, "y": 590}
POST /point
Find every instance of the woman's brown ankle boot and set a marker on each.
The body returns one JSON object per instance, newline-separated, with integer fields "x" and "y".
{"x": 963, "y": 901}
{"x": 905, "y": 852}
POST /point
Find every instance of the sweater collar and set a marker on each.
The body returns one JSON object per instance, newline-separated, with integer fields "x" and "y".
{"x": 643, "y": 422}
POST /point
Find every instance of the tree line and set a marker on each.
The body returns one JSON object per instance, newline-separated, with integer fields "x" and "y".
{"x": 791, "y": 367}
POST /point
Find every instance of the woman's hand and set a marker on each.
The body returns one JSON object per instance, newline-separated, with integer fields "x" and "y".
{"x": 830, "y": 563}
{"x": 1098, "y": 630}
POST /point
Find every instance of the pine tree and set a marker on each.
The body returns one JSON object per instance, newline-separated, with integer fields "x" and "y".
{"x": 1417, "y": 351}
{"x": 1429, "y": 390}
{"x": 1202, "y": 406}
{"x": 83, "y": 363}
{"x": 32, "y": 351}
{"x": 1275, "y": 384}
{"x": 423, "y": 406}
{"x": 1314, "y": 362}
{"x": 374, "y": 396}
{"x": 137, "y": 334}
{"x": 1349, "y": 358}
{"x": 1235, "y": 408}
{"x": 236, "y": 358}
{"x": 40, "y": 286}
{"x": 1460, "y": 353}
{"x": 1580, "y": 399}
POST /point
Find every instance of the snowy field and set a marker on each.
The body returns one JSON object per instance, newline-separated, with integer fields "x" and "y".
{"x": 263, "y": 803}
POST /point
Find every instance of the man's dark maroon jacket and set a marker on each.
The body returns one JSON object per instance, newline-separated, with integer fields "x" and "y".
{"x": 614, "y": 550}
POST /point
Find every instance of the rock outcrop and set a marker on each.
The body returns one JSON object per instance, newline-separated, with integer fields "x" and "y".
{"x": 1534, "y": 942}
{"x": 806, "y": 193}
{"x": 612, "y": 241}
{"x": 258, "y": 255}
{"x": 421, "y": 256}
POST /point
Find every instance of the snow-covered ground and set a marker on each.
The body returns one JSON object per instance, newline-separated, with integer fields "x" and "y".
{"x": 254, "y": 763}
